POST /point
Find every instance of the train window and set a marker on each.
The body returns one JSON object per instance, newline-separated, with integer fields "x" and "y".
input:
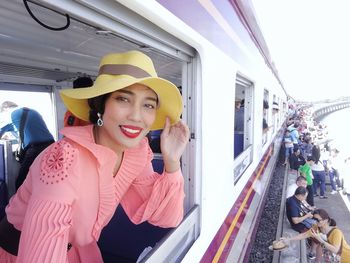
{"x": 265, "y": 123}
{"x": 284, "y": 110}
{"x": 274, "y": 111}
{"x": 32, "y": 96}
{"x": 38, "y": 97}
{"x": 61, "y": 57}
{"x": 243, "y": 130}
{"x": 239, "y": 121}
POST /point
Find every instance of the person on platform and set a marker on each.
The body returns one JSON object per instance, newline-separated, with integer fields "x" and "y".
{"x": 296, "y": 159}
{"x": 300, "y": 219}
{"x": 328, "y": 236}
{"x": 306, "y": 172}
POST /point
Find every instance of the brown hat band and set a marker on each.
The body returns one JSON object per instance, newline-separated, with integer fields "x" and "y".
{"x": 113, "y": 69}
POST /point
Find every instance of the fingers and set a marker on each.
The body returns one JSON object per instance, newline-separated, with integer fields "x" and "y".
{"x": 180, "y": 126}
{"x": 166, "y": 128}
{"x": 314, "y": 234}
{"x": 184, "y": 128}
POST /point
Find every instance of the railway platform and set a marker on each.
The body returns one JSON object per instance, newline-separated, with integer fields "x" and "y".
{"x": 338, "y": 207}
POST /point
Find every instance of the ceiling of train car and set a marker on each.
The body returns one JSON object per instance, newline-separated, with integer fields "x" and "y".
{"x": 28, "y": 49}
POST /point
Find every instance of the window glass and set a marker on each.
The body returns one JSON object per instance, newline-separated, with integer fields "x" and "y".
{"x": 243, "y": 130}
{"x": 39, "y": 101}
{"x": 265, "y": 122}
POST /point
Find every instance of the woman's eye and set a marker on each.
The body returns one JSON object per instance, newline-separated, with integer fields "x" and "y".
{"x": 121, "y": 98}
{"x": 150, "y": 106}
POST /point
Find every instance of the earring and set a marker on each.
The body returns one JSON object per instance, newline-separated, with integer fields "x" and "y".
{"x": 99, "y": 120}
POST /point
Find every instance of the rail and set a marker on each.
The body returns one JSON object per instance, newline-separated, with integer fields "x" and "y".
{"x": 327, "y": 108}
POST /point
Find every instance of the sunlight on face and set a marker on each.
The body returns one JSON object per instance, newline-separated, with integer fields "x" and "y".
{"x": 128, "y": 117}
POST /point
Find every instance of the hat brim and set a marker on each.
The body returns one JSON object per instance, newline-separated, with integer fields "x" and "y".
{"x": 170, "y": 100}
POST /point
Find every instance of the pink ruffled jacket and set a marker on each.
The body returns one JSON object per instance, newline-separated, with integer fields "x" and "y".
{"x": 70, "y": 194}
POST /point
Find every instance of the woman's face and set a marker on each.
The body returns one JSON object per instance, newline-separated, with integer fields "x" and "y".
{"x": 320, "y": 222}
{"x": 128, "y": 117}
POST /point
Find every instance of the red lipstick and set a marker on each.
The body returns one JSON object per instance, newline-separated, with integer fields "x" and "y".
{"x": 130, "y": 131}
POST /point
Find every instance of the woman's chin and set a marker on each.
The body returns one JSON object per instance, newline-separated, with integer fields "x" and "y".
{"x": 128, "y": 143}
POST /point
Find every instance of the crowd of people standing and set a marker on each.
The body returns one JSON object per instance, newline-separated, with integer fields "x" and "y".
{"x": 311, "y": 157}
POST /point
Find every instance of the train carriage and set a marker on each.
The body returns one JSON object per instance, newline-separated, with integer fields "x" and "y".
{"x": 215, "y": 53}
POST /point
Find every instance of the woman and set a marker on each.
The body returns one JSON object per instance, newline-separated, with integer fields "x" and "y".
{"x": 288, "y": 145}
{"x": 75, "y": 185}
{"x": 305, "y": 170}
{"x": 335, "y": 241}
{"x": 318, "y": 172}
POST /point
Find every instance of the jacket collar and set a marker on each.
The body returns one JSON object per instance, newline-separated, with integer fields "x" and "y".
{"x": 83, "y": 135}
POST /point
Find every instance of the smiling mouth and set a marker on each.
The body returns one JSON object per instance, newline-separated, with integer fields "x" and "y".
{"x": 130, "y": 131}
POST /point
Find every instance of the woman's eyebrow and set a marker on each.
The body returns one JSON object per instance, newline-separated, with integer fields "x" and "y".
{"x": 126, "y": 91}
{"x": 152, "y": 99}
{"x": 155, "y": 99}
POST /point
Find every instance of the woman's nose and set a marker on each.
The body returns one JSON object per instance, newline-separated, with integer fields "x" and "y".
{"x": 135, "y": 112}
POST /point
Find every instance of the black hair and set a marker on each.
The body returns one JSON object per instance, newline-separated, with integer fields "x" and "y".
{"x": 316, "y": 153}
{"x": 300, "y": 178}
{"x": 266, "y": 104}
{"x": 324, "y": 215}
{"x": 82, "y": 82}
{"x": 307, "y": 139}
{"x": 300, "y": 191}
{"x": 265, "y": 125}
{"x": 310, "y": 158}
{"x": 97, "y": 105}
{"x": 295, "y": 149}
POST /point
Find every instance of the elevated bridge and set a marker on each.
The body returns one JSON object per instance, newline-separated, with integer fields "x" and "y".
{"x": 323, "y": 109}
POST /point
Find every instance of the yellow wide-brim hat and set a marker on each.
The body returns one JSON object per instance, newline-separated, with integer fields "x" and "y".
{"x": 118, "y": 71}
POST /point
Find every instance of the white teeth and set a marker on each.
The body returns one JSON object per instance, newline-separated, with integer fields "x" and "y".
{"x": 131, "y": 130}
